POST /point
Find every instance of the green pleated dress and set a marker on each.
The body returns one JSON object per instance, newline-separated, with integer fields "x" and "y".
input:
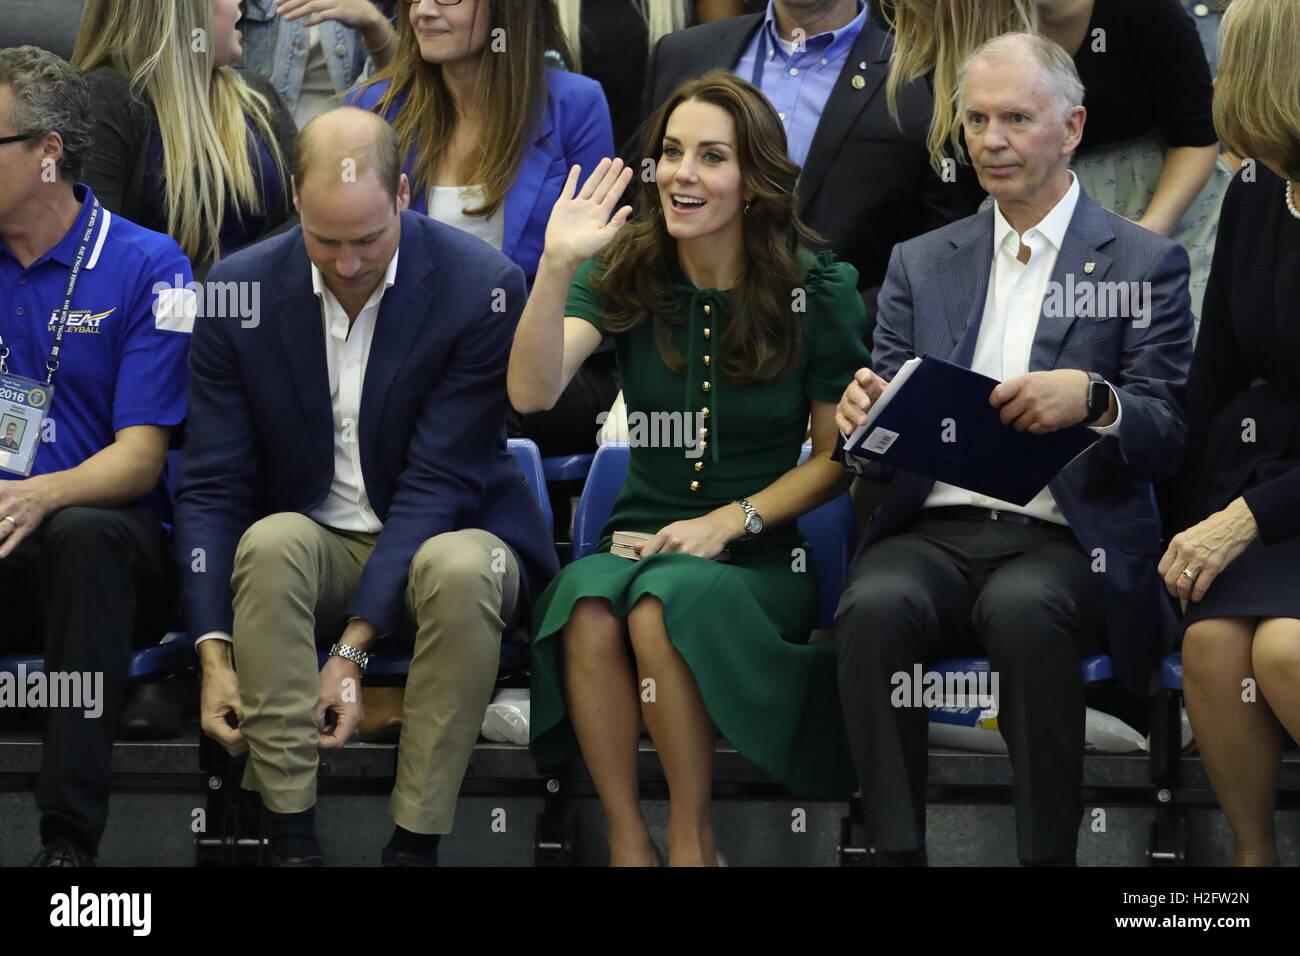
{"x": 741, "y": 626}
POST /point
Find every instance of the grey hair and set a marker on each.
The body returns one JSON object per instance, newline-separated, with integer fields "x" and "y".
{"x": 1058, "y": 68}
{"x": 50, "y": 96}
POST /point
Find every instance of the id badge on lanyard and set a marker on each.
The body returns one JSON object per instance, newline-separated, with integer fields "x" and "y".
{"x": 25, "y": 402}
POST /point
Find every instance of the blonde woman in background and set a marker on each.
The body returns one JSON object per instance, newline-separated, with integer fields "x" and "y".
{"x": 1149, "y": 151}
{"x": 183, "y": 143}
{"x": 611, "y": 42}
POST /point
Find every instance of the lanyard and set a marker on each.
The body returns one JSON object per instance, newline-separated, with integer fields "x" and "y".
{"x": 52, "y": 363}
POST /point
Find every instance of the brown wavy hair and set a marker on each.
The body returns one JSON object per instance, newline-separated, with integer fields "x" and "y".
{"x": 510, "y": 96}
{"x": 763, "y": 335}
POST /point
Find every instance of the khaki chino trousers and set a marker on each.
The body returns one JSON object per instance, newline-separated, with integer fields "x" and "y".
{"x": 293, "y": 579}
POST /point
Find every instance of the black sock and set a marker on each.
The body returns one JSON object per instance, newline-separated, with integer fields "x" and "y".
{"x": 404, "y": 841}
{"x": 292, "y": 834}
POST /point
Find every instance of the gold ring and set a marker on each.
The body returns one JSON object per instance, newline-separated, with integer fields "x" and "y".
{"x": 10, "y": 519}
{"x": 1189, "y": 573}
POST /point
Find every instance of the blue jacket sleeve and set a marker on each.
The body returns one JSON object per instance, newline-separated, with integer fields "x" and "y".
{"x": 1153, "y": 373}
{"x": 589, "y": 137}
{"x": 215, "y": 502}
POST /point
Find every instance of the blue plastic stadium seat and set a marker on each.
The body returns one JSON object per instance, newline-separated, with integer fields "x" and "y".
{"x": 174, "y": 652}
{"x": 31, "y": 663}
{"x": 828, "y": 529}
{"x": 567, "y": 467}
{"x": 1171, "y": 672}
{"x": 604, "y": 481}
{"x": 1095, "y": 669}
{"x": 530, "y": 462}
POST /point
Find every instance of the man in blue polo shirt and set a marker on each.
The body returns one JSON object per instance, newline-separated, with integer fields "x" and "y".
{"x": 84, "y": 563}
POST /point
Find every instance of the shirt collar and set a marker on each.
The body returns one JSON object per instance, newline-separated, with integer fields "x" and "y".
{"x": 64, "y": 251}
{"x": 390, "y": 277}
{"x": 837, "y": 41}
{"x": 1051, "y": 227}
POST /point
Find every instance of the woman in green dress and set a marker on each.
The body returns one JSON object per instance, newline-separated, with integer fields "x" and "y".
{"x": 729, "y": 337}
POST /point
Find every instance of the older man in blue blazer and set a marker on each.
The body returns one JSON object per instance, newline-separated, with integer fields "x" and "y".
{"x": 943, "y": 571}
{"x": 346, "y": 477}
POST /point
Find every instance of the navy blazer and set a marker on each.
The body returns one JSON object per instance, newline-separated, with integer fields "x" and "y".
{"x": 575, "y": 131}
{"x": 1245, "y": 367}
{"x": 932, "y": 303}
{"x": 432, "y": 435}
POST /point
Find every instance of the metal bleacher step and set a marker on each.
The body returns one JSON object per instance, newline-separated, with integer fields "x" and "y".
{"x": 161, "y": 792}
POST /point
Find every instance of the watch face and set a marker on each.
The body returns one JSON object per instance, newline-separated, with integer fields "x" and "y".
{"x": 753, "y": 524}
{"x": 1098, "y": 399}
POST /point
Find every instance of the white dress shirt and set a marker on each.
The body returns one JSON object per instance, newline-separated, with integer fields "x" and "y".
{"x": 347, "y": 351}
{"x": 1012, "y": 309}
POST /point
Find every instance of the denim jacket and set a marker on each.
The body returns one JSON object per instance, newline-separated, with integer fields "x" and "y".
{"x": 277, "y": 49}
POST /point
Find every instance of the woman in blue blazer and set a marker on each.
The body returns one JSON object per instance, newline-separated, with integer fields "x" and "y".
{"x": 490, "y": 135}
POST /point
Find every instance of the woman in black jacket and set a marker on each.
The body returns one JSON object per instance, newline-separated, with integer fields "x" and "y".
{"x": 1237, "y": 568}
{"x": 184, "y": 143}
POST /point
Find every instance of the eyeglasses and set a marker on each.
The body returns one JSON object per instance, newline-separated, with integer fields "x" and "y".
{"x": 22, "y": 136}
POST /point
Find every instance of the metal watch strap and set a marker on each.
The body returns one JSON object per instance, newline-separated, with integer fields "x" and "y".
{"x": 750, "y": 512}
{"x": 350, "y": 653}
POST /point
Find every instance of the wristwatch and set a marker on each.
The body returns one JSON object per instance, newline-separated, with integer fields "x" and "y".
{"x": 350, "y": 653}
{"x": 753, "y": 520}
{"x": 1098, "y": 398}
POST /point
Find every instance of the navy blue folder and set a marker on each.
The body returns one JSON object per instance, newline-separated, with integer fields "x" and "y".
{"x": 938, "y": 423}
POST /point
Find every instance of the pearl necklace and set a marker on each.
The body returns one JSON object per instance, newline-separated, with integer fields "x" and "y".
{"x": 1290, "y": 200}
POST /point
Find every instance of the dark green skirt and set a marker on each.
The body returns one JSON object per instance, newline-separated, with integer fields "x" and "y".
{"x": 742, "y": 629}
